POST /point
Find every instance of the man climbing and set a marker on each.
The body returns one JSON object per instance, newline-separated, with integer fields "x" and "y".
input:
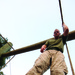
{"x": 52, "y": 55}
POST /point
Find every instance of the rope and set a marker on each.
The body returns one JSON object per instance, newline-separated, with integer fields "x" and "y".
{"x": 11, "y": 47}
{"x": 66, "y": 43}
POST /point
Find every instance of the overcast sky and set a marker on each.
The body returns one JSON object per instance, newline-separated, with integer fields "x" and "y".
{"x": 26, "y": 22}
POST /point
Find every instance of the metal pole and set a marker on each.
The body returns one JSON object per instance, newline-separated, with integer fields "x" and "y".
{"x": 66, "y": 43}
{"x": 70, "y": 60}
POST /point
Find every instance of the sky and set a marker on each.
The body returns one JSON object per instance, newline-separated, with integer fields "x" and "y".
{"x": 26, "y": 22}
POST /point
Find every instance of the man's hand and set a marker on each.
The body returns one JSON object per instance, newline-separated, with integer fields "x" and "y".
{"x": 66, "y": 30}
{"x": 43, "y": 48}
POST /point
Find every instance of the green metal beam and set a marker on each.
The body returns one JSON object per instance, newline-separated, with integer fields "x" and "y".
{"x": 5, "y": 48}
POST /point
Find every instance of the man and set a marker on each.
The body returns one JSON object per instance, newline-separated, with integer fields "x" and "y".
{"x": 52, "y": 55}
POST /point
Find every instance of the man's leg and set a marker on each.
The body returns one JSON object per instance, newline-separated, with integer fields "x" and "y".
{"x": 57, "y": 73}
{"x": 41, "y": 64}
{"x": 58, "y": 66}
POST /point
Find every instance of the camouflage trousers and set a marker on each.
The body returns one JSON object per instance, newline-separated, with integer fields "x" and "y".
{"x": 49, "y": 59}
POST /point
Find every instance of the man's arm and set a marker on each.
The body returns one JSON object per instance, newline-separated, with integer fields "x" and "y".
{"x": 66, "y": 30}
{"x": 43, "y": 48}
